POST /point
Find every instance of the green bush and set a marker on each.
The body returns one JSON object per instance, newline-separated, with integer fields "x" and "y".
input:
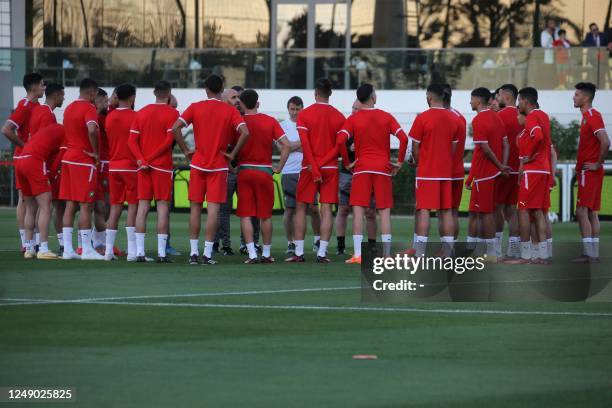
{"x": 565, "y": 138}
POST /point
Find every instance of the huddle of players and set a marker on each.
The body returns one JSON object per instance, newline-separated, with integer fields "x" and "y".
{"x": 513, "y": 163}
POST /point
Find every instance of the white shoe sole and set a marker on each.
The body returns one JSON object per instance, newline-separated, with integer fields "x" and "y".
{"x": 92, "y": 256}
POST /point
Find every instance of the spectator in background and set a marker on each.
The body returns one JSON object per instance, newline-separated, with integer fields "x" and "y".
{"x": 594, "y": 38}
{"x": 562, "y": 58}
{"x": 547, "y": 38}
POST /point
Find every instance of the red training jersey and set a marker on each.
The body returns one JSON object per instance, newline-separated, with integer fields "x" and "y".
{"x": 21, "y": 119}
{"x": 151, "y": 135}
{"x": 435, "y": 130}
{"x": 263, "y": 130}
{"x": 118, "y": 125}
{"x": 42, "y": 116}
{"x": 588, "y": 144}
{"x": 370, "y": 130}
{"x": 509, "y": 116}
{"x": 214, "y": 127}
{"x": 318, "y": 127}
{"x": 45, "y": 143}
{"x": 535, "y": 144}
{"x": 77, "y": 116}
{"x": 103, "y": 148}
{"x": 458, "y": 169}
{"x": 487, "y": 128}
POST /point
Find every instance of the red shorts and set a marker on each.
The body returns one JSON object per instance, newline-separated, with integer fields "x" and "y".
{"x": 366, "y": 184}
{"x": 255, "y": 194}
{"x": 534, "y": 191}
{"x": 103, "y": 184}
{"x": 589, "y": 189}
{"x": 123, "y": 187}
{"x": 31, "y": 173}
{"x": 209, "y": 186}
{"x": 506, "y": 190}
{"x": 457, "y": 192}
{"x": 482, "y": 196}
{"x": 328, "y": 189}
{"x": 155, "y": 184}
{"x": 55, "y": 175}
{"x": 78, "y": 182}
{"x": 433, "y": 194}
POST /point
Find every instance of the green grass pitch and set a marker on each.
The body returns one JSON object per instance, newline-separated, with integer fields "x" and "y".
{"x": 174, "y": 335}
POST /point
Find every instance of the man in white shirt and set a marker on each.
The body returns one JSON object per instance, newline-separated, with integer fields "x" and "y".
{"x": 547, "y": 37}
{"x": 291, "y": 174}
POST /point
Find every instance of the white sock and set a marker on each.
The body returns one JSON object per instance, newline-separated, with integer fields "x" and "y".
{"x": 491, "y": 246}
{"x": 22, "y": 237}
{"x": 266, "y": 251}
{"x": 514, "y": 248}
{"x": 471, "y": 242}
{"x": 322, "y": 252}
{"x": 99, "y": 238}
{"x": 131, "y": 241}
{"x": 549, "y": 245}
{"x": 111, "y": 235}
{"x": 86, "y": 240}
{"x": 414, "y": 240}
{"x": 587, "y": 247}
{"x": 535, "y": 251}
{"x": 251, "y": 248}
{"x": 79, "y": 241}
{"x": 526, "y": 250}
{"x": 543, "y": 250}
{"x": 140, "y": 244}
{"x": 162, "y": 240}
{"x": 357, "y": 239}
{"x": 448, "y": 242}
{"x": 208, "y": 248}
{"x": 299, "y": 247}
{"x": 29, "y": 245}
{"x": 595, "y": 247}
{"x": 386, "y": 237}
{"x": 194, "y": 244}
{"x": 44, "y": 246}
{"x": 37, "y": 238}
{"x": 60, "y": 239}
{"x": 499, "y": 237}
{"x": 67, "y": 238}
{"x": 316, "y": 238}
{"x": 420, "y": 245}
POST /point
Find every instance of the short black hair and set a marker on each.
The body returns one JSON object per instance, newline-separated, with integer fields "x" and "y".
{"x": 561, "y": 32}
{"x": 87, "y": 84}
{"x": 448, "y": 93}
{"x": 324, "y": 87}
{"x": 53, "y": 88}
{"x": 482, "y": 93}
{"x": 437, "y": 90}
{"x": 30, "y": 79}
{"x": 249, "y": 98}
{"x": 593, "y": 24}
{"x": 214, "y": 83}
{"x": 102, "y": 92}
{"x": 296, "y": 100}
{"x": 530, "y": 94}
{"x": 510, "y": 88}
{"x": 364, "y": 92}
{"x": 588, "y": 88}
{"x": 125, "y": 91}
{"x": 162, "y": 88}
{"x": 238, "y": 88}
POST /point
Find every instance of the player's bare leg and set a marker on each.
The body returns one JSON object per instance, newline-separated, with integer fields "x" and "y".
{"x": 163, "y": 228}
{"x": 588, "y": 222}
{"x": 112, "y": 225}
{"x": 101, "y": 213}
{"x": 595, "y": 228}
{"x": 67, "y": 228}
{"x": 266, "y": 232}
{"x": 58, "y": 214}
{"x": 28, "y": 226}
{"x": 455, "y": 213}
{"x": 44, "y": 201}
{"x": 315, "y": 224}
{"x": 141, "y": 229}
{"x": 499, "y": 229}
{"x": 487, "y": 226}
{"x": 246, "y": 225}
{"x": 288, "y": 215}
{"x": 341, "y": 220}
{"x": 421, "y": 229}
{"x": 447, "y": 229}
{"x": 385, "y": 229}
{"x": 85, "y": 215}
{"x": 358, "y": 213}
{"x": 473, "y": 236}
{"x": 371, "y": 223}
{"x": 299, "y": 231}
{"x": 524, "y": 223}
{"x": 21, "y": 212}
{"x": 514, "y": 241}
{"x": 212, "y": 223}
{"x": 327, "y": 223}
{"x": 549, "y": 240}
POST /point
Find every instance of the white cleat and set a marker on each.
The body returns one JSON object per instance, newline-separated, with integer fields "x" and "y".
{"x": 92, "y": 256}
{"x": 133, "y": 259}
{"x": 110, "y": 257}
{"x": 70, "y": 255}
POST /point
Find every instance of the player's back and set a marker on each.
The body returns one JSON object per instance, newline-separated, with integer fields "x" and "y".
{"x": 41, "y": 116}
{"x": 371, "y": 131}
{"x": 153, "y": 123}
{"x": 118, "y": 124}
{"x": 263, "y": 130}
{"x": 488, "y": 127}
{"x": 458, "y": 169}
{"x": 509, "y": 116}
{"x": 541, "y": 161}
{"x": 103, "y": 148}
{"x": 437, "y": 128}
{"x": 322, "y": 123}
{"x": 45, "y": 142}
{"x": 77, "y": 117}
{"x": 21, "y": 119}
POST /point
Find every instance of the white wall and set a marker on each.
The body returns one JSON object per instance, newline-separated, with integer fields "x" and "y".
{"x": 404, "y": 105}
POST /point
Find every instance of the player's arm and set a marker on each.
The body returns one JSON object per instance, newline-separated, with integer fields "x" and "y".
{"x": 343, "y": 136}
{"x": 416, "y": 135}
{"x": 134, "y": 145}
{"x": 92, "y": 133}
{"x": 308, "y": 155}
{"x": 285, "y": 147}
{"x": 164, "y": 146}
{"x": 403, "y": 147}
{"x": 242, "y": 139}
{"x": 179, "y": 124}
{"x": 505, "y": 150}
{"x": 486, "y": 150}
{"x": 604, "y": 147}
{"x": 10, "y": 131}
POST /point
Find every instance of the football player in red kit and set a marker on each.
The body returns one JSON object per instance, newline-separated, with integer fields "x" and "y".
{"x": 592, "y": 151}
{"x": 215, "y": 124}
{"x": 17, "y": 130}
{"x": 79, "y": 168}
{"x": 34, "y": 180}
{"x": 101, "y": 205}
{"x": 255, "y": 183}
{"x": 372, "y": 169}
{"x": 317, "y": 126}
{"x": 151, "y": 143}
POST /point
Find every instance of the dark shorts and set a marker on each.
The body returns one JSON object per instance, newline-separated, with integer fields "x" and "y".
{"x": 289, "y": 183}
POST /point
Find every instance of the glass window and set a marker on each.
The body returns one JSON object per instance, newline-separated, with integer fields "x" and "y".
{"x": 229, "y": 24}
{"x": 330, "y": 25}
